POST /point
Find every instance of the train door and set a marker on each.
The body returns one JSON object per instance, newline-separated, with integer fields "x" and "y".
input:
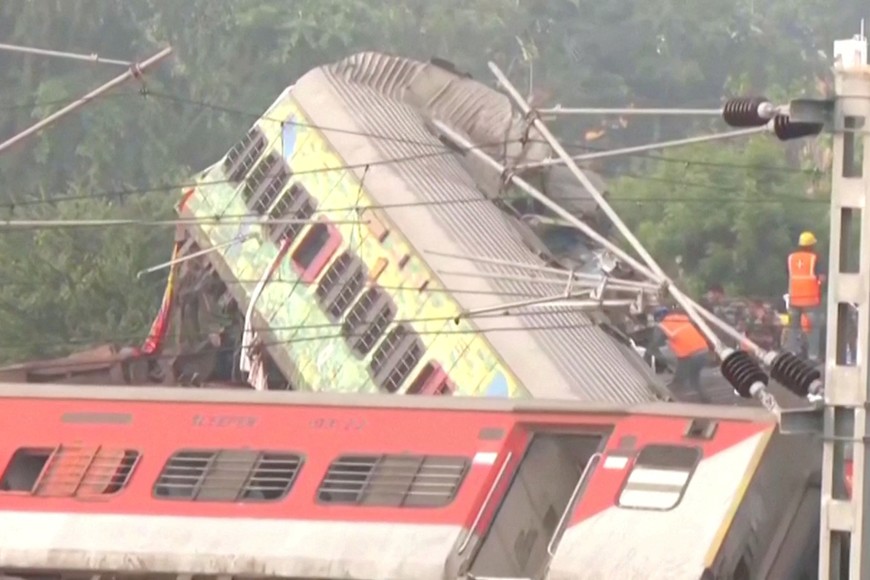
{"x": 525, "y": 528}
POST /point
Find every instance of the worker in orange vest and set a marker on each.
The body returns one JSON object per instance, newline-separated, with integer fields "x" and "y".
{"x": 806, "y": 275}
{"x": 688, "y": 345}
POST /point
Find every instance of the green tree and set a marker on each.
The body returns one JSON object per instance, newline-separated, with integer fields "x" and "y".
{"x": 723, "y": 214}
{"x": 238, "y": 54}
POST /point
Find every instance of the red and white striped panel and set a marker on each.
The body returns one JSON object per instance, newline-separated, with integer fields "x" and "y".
{"x": 648, "y": 544}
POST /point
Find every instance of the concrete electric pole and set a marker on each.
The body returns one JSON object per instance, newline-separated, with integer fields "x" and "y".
{"x": 844, "y": 519}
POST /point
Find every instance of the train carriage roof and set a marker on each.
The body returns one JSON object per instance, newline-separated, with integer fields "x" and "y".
{"x": 368, "y": 401}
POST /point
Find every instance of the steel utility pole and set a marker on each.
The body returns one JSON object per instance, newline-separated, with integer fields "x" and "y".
{"x": 134, "y": 72}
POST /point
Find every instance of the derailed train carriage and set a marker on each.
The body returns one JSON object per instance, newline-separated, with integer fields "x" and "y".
{"x": 164, "y": 483}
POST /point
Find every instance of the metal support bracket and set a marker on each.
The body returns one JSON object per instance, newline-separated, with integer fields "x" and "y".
{"x": 812, "y": 111}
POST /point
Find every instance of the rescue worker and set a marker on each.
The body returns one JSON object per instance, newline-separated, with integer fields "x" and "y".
{"x": 688, "y": 345}
{"x": 806, "y": 275}
{"x": 785, "y": 325}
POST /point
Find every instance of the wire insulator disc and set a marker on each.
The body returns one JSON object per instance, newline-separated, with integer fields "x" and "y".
{"x": 794, "y": 373}
{"x": 743, "y": 112}
{"x": 741, "y": 372}
{"x": 785, "y": 129}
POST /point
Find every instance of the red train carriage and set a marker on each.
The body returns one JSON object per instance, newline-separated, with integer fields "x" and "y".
{"x": 126, "y": 482}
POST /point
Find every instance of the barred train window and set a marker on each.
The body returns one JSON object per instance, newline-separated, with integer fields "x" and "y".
{"x": 259, "y": 176}
{"x": 271, "y": 187}
{"x": 393, "y": 480}
{"x": 659, "y": 477}
{"x": 244, "y": 154}
{"x": 396, "y": 358}
{"x": 367, "y": 320}
{"x": 227, "y": 475}
{"x": 342, "y": 282}
{"x": 295, "y": 204}
{"x": 69, "y": 471}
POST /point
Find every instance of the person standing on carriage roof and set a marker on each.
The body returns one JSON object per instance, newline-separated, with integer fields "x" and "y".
{"x": 675, "y": 329}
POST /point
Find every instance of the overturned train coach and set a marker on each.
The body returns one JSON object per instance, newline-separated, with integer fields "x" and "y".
{"x": 160, "y": 483}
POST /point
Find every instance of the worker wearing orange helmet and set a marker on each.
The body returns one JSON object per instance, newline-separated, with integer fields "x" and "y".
{"x": 806, "y": 275}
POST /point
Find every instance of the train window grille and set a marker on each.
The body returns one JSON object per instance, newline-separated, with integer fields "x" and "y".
{"x": 271, "y": 187}
{"x": 393, "y": 480}
{"x": 228, "y": 475}
{"x": 341, "y": 284}
{"x": 69, "y": 471}
{"x": 396, "y": 357}
{"x": 659, "y": 477}
{"x": 367, "y": 320}
{"x": 296, "y": 204}
{"x": 244, "y": 154}
{"x": 260, "y": 176}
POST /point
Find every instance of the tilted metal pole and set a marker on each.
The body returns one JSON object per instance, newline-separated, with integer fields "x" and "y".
{"x": 648, "y": 147}
{"x": 468, "y": 147}
{"x": 92, "y": 58}
{"x": 135, "y": 71}
{"x": 680, "y": 298}
{"x": 625, "y": 111}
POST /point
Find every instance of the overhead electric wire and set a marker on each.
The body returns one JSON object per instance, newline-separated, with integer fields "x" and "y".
{"x": 444, "y": 150}
{"x": 436, "y": 203}
{"x": 42, "y": 365}
{"x": 579, "y": 145}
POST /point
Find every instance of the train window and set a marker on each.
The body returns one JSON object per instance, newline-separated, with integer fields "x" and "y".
{"x": 367, "y": 320}
{"x": 260, "y": 176}
{"x": 393, "y": 480}
{"x": 242, "y": 156}
{"x": 24, "y": 469}
{"x": 431, "y": 380}
{"x": 69, "y": 471}
{"x": 659, "y": 477}
{"x": 341, "y": 283}
{"x": 295, "y": 204}
{"x": 315, "y": 250}
{"x": 227, "y": 475}
{"x": 396, "y": 357}
{"x": 271, "y": 188}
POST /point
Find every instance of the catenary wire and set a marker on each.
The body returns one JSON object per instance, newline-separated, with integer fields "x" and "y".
{"x": 72, "y": 364}
{"x": 640, "y": 177}
{"x": 579, "y": 145}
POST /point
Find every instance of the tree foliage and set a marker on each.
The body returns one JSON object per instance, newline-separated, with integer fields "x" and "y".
{"x": 61, "y": 285}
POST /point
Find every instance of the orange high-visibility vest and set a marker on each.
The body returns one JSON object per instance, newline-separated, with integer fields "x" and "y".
{"x": 804, "y": 288}
{"x": 683, "y": 338}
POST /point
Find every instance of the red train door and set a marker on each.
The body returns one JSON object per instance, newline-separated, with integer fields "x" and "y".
{"x": 524, "y": 531}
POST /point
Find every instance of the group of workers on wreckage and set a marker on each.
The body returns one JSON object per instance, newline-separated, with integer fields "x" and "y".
{"x": 797, "y": 330}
